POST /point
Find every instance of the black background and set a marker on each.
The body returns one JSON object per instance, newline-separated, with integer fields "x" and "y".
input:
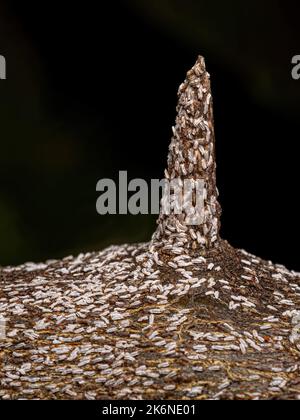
{"x": 91, "y": 90}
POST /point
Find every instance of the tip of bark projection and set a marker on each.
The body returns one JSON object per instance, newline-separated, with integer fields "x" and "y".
{"x": 190, "y": 212}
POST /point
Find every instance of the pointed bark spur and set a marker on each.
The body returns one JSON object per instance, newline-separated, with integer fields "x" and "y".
{"x": 192, "y": 157}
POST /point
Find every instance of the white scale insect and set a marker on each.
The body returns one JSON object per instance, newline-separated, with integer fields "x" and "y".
{"x": 2, "y": 328}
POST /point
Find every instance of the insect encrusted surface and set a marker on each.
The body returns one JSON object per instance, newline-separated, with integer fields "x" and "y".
{"x": 185, "y": 316}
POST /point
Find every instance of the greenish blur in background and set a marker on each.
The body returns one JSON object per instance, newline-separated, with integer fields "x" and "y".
{"x": 92, "y": 91}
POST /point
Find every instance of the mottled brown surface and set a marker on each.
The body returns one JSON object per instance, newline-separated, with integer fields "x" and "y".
{"x": 93, "y": 355}
{"x": 185, "y": 316}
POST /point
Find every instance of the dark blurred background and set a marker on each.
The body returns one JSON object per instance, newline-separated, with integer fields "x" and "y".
{"x": 91, "y": 90}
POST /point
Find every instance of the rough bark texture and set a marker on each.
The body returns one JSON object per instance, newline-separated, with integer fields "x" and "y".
{"x": 183, "y": 317}
{"x": 192, "y": 157}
